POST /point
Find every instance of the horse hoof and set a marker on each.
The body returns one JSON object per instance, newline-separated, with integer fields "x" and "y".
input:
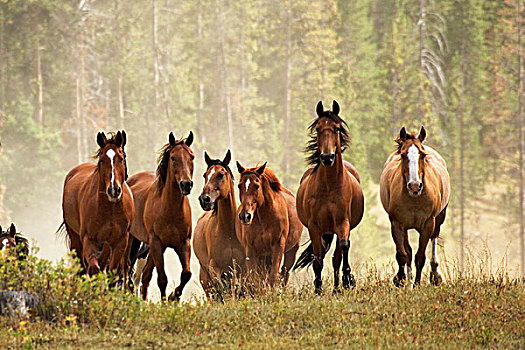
{"x": 175, "y": 296}
{"x": 435, "y": 279}
{"x": 399, "y": 282}
{"x": 336, "y": 291}
{"x": 93, "y": 270}
{"x": 348, "y": 281}
{"x": 318, "y": 290}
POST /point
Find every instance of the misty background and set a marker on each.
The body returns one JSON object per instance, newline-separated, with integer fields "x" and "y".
{"x": 246, "y": 75}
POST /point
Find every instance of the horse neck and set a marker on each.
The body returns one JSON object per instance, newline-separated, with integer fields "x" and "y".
{"x": 227, "y": 209}
{"x": 333, "y": 174}
{"x": 171, "y": 193}
{"x": 269, "y": 198}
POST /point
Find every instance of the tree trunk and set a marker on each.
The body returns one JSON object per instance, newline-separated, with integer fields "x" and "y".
{"x": 224, "y": 73}
{"x": 520, "y": 130}
{"x": 3, "y": 65}
{"x": 118, "y": 56}
{"x": 287, "y": 92}
{"x": 39, "y": 106}
{"x": 156, "y": 74}
{"x": 200, "y": 111}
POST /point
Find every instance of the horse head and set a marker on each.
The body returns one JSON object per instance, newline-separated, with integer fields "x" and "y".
{"x": 112, "y": 163}
{"x": 250, "y": 191}
{"x": 218, "y": 181}
{"x": 410, "y": 148}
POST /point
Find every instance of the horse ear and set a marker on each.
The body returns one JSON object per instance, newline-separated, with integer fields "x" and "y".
{"x": 124, "y": 138}
{"x": 172, "y": 139}
{"x": 101, "y": 139}
{"x": 335, "y": 108}
{"x": 227, "y": 158}
{"x": 1, "y": 230}
{"x": 422, "y": 134}
{"x": 319, "y": 109}
{"x": 119, "y": 140}
{"x": 403, "y": 134}
{"x": 240, "y": 169}
{"x": 207, "y": 159}
{"x": 189, "y": 139}
{"x": 260, "y": 170}
{"x": 12, "y": 230}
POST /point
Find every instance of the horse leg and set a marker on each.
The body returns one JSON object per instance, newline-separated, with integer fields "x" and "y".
{"x": 157, "y": 254}
{"x": 424, "y": 237}
{"x": 336, "y": 262}
{"x": 317, "y": 245}
{"x": 75, "y": 246}
{"x": 147, "y": 272}
{"x": 289, "y": 260}
{"x": 137, "y": 274}
{"x": 90, "y": 252}
{"x": 184, "y": 253}
{"x": 348, "y": 278}
{"x": 408, "y": 250}
{"x": 276, "y": 259}
{"x": 398, "y": 234}
{"x": 435, "y": 278}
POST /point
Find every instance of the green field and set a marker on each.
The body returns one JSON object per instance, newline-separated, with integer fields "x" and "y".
{"x": 77, "y": 313}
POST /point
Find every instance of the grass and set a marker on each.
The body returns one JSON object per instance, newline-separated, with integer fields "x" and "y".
{"x": 475, "y": 312}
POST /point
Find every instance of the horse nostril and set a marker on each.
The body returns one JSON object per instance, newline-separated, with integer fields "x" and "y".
{"x": 420, "y": 186}
{"x": 248, "y": 216}
{"x": 206, "y": 199}
{"x": 240, "y": 216}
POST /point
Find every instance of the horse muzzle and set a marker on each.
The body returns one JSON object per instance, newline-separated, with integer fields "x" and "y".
{"x": 114, "y": 193}
{"x": 415, "y": 188}
{"x": 206, "y": 203}
{"x": 245, "y": 217}
{"x": 185, "y": 187}
{"x": 327, "y": 159}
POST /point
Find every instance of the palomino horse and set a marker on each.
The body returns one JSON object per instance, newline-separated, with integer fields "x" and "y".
{"x": 214, "y": 242}
{"x": 163, "y": 212}
{"x": 16, "y": 245}
{"x": 97, "y": 206}
{"x": 415, "y": 189}
{"x": 329, "y": 200}
{"x": 267, "y": 224}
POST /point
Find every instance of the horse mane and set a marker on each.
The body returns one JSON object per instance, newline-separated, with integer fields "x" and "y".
{"x": 311, "y": 150}
{"x": 213, "y": 162}
{"x": 269, "y": 179}
{"x": 163, "y": 162}
{"x": 399, "y": 142}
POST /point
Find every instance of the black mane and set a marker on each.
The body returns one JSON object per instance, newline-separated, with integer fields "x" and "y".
{"x": 312, "y": 152}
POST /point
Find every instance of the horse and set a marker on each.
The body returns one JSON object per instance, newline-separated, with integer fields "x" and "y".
{"x": 163, "y": 212}
{"x": 13, "y": 242}
{"x": 415, "y": 190}
{"x": 267, "y": 224}
{"x": 97, "y": 207}
{"x": 215, "y": 242}
{"x": 330, "y": 199}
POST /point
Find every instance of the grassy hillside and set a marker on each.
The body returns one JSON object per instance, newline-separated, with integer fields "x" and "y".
{"x": 78, "y": 313}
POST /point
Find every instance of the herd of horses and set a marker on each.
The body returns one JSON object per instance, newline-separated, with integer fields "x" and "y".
{"x": 108, "y": 215}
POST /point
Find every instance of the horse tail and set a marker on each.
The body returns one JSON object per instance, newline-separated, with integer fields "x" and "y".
{"x": 61, "y": 233}
{"x": 307, "y": 256}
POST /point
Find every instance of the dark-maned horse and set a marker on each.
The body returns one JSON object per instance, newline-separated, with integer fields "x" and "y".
{"x": 97, "y": 206}
{"x": 13, "y": 242}
{"x": 415, "y": 189}
{"x": 214, "y": 242}
{"x": 267, "y": 225}
{"x": 163, "y": 212}
{"x": 330, "y": 199}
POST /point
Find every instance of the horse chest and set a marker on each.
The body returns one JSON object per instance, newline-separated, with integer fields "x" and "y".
{"x": 414, "y": 213}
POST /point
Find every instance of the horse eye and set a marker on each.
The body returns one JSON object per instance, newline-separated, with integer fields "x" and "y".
{"x": 173, "y": 158}
{"x": 256, "y": 187}
{"x": 404, "y": 156}
{"x": 337, "y": 129}
{"x": 317, "y": 129}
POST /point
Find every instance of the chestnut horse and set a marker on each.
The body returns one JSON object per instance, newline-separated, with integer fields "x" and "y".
{"x": 267, "y": 225}
{"x": 13, "y": 242}
{"x": 97, "y": 206}
{"x": 163, "y": 217}
{"x": 415, "y": 189}
{"x": 214, "y": 242}
{"x": 330, "y": 199}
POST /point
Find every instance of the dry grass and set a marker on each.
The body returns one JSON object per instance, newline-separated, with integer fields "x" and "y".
{"x": 478, "y": 310}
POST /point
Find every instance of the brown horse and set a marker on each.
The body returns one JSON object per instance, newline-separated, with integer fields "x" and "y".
{"x": 415, "y": 189}
{"x": 163, "y": 217}
{"x": 13, "y": 242}
{"x": 214, "y": 242}
{"x": 330, "y": 199}
{"x": 267, "y": 225}
{"x": 97, "y": 205}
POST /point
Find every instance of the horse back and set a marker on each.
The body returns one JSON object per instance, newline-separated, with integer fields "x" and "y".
{"x": 296, "y": 227}
{"x": 78, "y": 181}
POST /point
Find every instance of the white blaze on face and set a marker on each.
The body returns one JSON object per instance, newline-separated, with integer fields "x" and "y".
{"x": 247, "y": 184}
{"x": 413, "y": 164}
{"x": 111, "y": 155}
{"x": 4, "y": 242}
{"x": 210, "y": 175}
